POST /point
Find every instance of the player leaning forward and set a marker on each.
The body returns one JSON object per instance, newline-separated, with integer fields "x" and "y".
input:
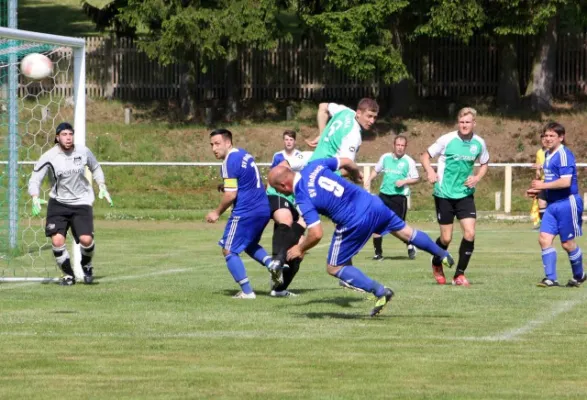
{"x": 454, "y": 186}
{"x": 70, "y": 199}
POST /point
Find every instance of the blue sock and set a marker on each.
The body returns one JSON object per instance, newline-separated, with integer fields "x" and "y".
{"x": 239, "y": 273}
{"x": 355, "y": 277}
{"x": 549, "y": 263}
{"x": 259, "y": 254}
{"x": 576, "y": 259}
{"x": 424, "y": 242}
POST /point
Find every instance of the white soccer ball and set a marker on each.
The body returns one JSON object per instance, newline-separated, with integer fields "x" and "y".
{"x": 36, "y": 66}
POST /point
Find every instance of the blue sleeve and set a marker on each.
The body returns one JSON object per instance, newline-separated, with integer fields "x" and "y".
{"x": 277, "y": 158}
{"x": 233, "y": 167}
{"x": 307, "y": 210}
{"x": 569, "y": 165}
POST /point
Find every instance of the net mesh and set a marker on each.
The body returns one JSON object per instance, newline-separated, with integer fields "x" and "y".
{"x": 40, "y": 106}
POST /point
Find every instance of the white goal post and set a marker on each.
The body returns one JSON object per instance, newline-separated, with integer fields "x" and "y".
{"x": 34, "y": 109}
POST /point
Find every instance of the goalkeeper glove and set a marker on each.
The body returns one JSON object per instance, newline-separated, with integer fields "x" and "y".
{"x": 37, "y": 206}
{"x": 103, "y": 194}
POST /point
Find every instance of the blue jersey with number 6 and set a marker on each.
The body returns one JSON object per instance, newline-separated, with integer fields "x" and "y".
{"x": 318, "y": 190}
{"x": 240, "y": 173}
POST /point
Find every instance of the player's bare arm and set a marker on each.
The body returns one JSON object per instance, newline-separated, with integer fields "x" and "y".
{"x": 322, "y": 118}
{"x": 473, "y": 180}
{"x": 351, "y": 168}
{"x": 312, "y": 238}
{"x": 408, "y": 181}
{"x": 427, "y": 165}
{"x": 228, "y": 198}
{"x": 562, "y": 183}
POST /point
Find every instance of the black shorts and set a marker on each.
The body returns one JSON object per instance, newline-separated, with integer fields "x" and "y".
{"x": 396, "y": 203}
{"x": 448, "y": 209}
{"x": 278, "y": 202}
{"x": 542, "y": 195}
{"x": 61, "y": 217}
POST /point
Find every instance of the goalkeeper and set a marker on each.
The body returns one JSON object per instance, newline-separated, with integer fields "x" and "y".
{"x": 70, "y": 199}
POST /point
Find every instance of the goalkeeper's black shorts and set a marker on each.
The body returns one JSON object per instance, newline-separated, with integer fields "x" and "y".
{"x": 61, "y": 217}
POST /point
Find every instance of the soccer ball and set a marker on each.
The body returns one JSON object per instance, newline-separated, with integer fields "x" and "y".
{"x": 36, "y": 66}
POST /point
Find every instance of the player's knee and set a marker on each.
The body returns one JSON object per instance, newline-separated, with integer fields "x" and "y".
{"x": 569, "y": 245}
{"x": 58, "y": 240}
{"x": 469, "y": 235}
{"x": 283, "y": 216}
{"x": 86, "y": 240}
{"x": 332, "y": 269}
{"x": 225, "y": 252}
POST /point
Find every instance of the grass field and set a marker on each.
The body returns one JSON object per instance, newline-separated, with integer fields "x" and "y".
{"x": 161, "y": 323}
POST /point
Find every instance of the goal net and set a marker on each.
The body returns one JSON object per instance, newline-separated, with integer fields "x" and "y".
{"x": 29, "y": 113}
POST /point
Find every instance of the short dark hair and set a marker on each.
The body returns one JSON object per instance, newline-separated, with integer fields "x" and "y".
{"x": 290, "y": 133}
{"x": 555, "y": 127}
{"x": 367, "y": 104}
{"x": 64, "y": 126}
{"x": 226, "y": 134}
{"x": 402, "y": 137}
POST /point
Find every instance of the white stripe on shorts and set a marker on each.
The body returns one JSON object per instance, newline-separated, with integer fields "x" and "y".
{"x": 231, "y": 233}
{"x": 574, "y": 215}
{"x": 336, "y": 246}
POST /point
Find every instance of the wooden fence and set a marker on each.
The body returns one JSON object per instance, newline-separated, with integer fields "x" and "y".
{"x": 440, "y": 68}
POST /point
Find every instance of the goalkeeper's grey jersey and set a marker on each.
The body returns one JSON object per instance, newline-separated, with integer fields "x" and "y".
{"x": 66, "y": 170}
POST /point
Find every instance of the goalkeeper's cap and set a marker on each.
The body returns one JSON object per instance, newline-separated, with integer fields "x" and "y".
{"x": 62, "y": 127}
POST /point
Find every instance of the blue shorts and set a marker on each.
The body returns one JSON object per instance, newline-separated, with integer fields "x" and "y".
{"x": 564, "y": 218}
{"x": 242, "y": 231}
{"x": 349, "y": 240}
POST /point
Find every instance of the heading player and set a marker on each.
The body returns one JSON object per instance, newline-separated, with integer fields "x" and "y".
{"x": 357, "y": 215}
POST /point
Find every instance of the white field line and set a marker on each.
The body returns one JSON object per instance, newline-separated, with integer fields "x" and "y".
{"x": 9, "y": 286}
{"x": 544, "y": 318}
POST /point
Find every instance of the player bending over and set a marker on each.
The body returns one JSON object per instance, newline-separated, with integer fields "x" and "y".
{"x": 357, "y": 215}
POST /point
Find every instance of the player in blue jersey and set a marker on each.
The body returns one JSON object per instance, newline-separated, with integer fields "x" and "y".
{"x": 357, "y": 215}
{"x": 565, "y": 207}
{"x": 244, "y": 189}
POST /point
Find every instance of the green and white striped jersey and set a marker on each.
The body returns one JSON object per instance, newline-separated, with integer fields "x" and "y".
{"x": 395, "y": 169}
{"x": 341, "y": 136}
{"x": 456, "y": 162}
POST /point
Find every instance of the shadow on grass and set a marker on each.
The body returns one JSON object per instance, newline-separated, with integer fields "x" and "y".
{"x": 316, "y": 315}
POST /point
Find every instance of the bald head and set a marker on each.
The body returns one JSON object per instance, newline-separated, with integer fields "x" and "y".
{"x": 281, "y": 179}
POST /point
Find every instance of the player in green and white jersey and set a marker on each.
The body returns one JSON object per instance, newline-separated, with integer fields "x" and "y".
{"x": 341, "y": 128}
{"x": 399, "y": 171}
{"x": 454, "y": 187}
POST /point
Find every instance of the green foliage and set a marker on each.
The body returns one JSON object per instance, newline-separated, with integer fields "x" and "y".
{"x": 452, "y": 18}
{"x": 360, "y": 39}
{"x": 177, "y": 30}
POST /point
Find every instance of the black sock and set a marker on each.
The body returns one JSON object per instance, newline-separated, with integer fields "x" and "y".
{"x": 289, "y": 274}
{"x": 437, "y": 260}
{"x": 87, "y": 253}
{"x": 281, "y": 233}
{"x": 377, "y": 242}
{"x": 465, "y": 253}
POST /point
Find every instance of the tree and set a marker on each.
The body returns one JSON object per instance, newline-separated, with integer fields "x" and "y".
{"x": 194, "y": 32}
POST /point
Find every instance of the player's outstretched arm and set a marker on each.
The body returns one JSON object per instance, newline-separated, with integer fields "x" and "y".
{"x": 353, "y": 170}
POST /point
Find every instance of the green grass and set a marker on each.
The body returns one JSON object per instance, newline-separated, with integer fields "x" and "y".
{"x": 160, "y": 323}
